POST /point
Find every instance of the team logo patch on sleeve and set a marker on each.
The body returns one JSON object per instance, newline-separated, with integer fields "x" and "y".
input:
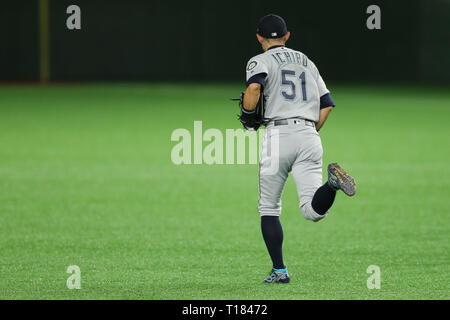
{"x": 251, "y": 65}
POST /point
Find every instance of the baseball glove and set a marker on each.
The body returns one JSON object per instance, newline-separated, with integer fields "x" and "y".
{"x": 251, "y": 120}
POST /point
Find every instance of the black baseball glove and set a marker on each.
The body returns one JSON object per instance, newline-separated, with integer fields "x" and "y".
{"x": 251, "y": 120}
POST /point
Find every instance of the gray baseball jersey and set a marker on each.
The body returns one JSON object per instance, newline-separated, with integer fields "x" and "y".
{"x": 293, "y": 88}
{"x": 292, "y": 84}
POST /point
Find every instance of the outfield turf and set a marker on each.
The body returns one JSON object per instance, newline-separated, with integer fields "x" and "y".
{"x": 86, "y": 179}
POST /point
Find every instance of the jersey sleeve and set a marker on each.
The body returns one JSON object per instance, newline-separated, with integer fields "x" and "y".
{"x": 258, "y": 78}
{"x": 325, "y": 97}
{"x": 256, "y": 66}
{"x": 321, "y": 86}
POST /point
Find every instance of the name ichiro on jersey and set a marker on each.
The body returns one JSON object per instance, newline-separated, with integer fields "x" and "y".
{"x": 290, "y": 57}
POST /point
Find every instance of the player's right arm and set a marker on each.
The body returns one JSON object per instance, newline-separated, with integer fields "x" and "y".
{"x": 326, "y": 102}
{"x": 324, "y": 112}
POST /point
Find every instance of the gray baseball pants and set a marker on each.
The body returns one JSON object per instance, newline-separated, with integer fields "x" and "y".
{"x": 293, "y": 148}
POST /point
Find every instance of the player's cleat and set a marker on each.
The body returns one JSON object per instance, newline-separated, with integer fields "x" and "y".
{"x": 277, "y": 276}
{"x": 339, "y": 179}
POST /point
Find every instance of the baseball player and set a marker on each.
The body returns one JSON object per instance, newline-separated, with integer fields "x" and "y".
{"x": 297, "y": 104}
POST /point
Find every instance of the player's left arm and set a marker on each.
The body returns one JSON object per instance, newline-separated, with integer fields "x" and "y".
{"x": 256, "y": 73}
{"x": 250, "y": 118}
{"x": 251, "y": 96}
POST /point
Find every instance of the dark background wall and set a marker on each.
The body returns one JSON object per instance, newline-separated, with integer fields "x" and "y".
{"x": 18, "y": 40}
{"x": 153, "y": 40}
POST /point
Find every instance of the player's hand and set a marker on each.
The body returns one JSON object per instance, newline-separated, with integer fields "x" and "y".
{"x": 250, "y": 120}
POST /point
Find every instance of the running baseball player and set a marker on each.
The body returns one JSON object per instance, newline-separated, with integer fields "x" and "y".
{"x": 297, "y": 104}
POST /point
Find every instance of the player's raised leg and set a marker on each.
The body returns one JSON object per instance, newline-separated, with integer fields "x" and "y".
{"x": 307, "y": 175}
{"x": 316, "y": 201}
{"x": 307, "y": 172}
{"x": 338, "y": 178}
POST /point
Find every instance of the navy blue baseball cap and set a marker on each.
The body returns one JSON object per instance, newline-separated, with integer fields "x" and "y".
{"x": 271, "y": 26}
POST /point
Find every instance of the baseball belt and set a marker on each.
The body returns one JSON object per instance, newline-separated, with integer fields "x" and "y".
{"x": 283, "y": 122}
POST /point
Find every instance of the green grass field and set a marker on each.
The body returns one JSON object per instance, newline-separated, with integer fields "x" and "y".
{"x": 86, "y": 179}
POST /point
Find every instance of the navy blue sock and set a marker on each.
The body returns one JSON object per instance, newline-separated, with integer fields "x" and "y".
{"x": 323, "y": 199}
{"x": 273, "y": 237}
